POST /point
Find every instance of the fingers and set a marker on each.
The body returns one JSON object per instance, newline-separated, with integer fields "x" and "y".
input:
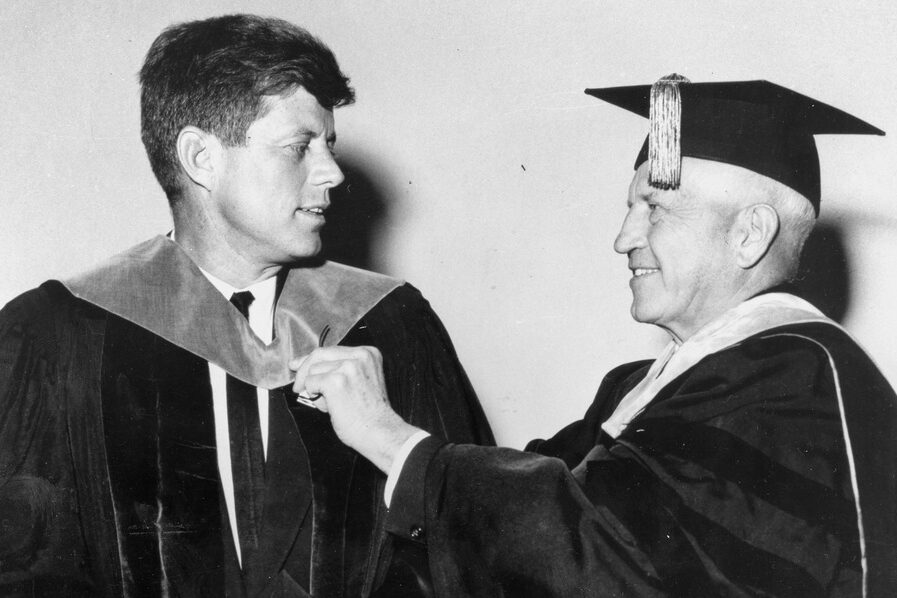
{"x": 352, "y": 389}
{"x": 312, "y": 369}
{"x": 319, "y": 403}
{"x": 332, "y": 377}
{"x": 337, "y": 353}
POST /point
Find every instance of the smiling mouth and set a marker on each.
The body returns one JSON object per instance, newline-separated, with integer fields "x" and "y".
{"x": 313, "y": 211}
{"x": 639, "y": 272}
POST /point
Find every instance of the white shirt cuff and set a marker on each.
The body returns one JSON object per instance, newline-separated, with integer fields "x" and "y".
{"x": 399, "y": 463}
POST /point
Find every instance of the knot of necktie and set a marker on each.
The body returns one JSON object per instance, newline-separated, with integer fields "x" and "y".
{"x": 242, "y": 300}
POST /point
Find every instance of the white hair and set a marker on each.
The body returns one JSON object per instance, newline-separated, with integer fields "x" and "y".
{"x": 734, "y": 188}
{"x": 796, "y": 219}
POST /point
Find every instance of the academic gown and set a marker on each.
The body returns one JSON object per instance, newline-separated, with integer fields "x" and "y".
{"x": 768, "y": 468}
{"x": 109, "y": 481}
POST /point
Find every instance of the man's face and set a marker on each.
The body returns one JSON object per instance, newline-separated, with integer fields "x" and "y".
{"x": 677, "y": 241}
{"x": 271, "y": 193}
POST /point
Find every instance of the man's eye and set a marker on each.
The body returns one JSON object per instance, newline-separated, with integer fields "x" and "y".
{"x": 299, "y": 149}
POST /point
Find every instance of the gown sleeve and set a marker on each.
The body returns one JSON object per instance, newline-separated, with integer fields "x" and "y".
{"x": 735, "y": 481}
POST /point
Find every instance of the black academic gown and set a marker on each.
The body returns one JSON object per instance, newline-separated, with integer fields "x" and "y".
{"x": 767, "y": 469}
{"x": 108, "y": 475}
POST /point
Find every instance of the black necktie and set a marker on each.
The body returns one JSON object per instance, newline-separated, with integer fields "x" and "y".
{"x": 246, "y": 452}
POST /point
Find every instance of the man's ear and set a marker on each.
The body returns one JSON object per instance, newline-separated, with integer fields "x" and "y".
{"x": 198, "y": 152}
{"x": 757, "y": 227}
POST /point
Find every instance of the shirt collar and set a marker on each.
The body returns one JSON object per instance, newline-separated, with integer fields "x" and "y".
{"x": 263, "y": 291}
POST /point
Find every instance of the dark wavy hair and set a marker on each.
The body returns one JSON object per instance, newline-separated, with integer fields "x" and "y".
{"x": 213, "y": 74}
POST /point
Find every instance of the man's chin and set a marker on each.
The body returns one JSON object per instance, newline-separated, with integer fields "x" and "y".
{"x": 642, "y": 313}
{"x": 305, "y": 257}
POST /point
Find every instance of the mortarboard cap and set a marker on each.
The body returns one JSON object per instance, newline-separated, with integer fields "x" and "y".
{"x": 757, "y": 125}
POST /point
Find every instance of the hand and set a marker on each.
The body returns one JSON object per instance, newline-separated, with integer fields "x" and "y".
{"x": 351, "y": 384}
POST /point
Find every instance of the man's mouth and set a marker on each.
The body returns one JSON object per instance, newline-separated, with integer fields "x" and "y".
{"x": 315, "y": 211}
{"x": 639, "y": 272}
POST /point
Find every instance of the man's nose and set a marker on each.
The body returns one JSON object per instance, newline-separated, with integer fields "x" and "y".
{"x": 632, "y": 234}
{"x": 329, "y": 174}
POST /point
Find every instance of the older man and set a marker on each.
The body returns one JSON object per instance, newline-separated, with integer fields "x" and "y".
{"x": 756, "y": 456}
{"x": 149, "y": 443}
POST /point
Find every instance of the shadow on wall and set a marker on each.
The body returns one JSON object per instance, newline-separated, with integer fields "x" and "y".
{"x": 824, "y": 276}
{"x": 357, "y": 211}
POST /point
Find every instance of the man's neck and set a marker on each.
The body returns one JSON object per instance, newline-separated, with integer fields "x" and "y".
{"x": 222, "y": 261}
{"x": 755, "y": 283}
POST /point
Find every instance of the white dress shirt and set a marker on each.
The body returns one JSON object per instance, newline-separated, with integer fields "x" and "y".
{"x": 398, "y": 464}
{"x": 261, "y": 320}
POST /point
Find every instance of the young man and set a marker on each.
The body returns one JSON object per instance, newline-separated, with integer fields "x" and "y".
{"x": 149, "y": 440}
{"x": 757, "y": 456}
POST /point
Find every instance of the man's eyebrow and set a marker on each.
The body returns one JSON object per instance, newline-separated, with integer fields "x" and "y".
{"x": 649, "y": 195}
{"x": 306, "y": 132}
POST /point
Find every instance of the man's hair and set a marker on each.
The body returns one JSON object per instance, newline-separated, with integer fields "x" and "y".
{"x": 214, "y": 74}
{"x": 796, "y": 221}
{"x": 796, "y": 216}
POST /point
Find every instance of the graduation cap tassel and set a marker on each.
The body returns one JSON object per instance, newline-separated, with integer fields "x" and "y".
{"x": 664, "y": 149}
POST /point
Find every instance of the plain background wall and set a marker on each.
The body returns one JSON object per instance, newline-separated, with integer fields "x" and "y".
{"x": 483, "y": 174}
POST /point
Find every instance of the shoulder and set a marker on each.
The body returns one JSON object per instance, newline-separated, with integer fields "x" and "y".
{"x": 403, "y": 304}
{"x": 39, "y": 314}
{"x": 796, "y": 350}
{"x": 38, "y": 307}
{"x": 404, "y": 321}
{"x": 404, "y": 298}
{"x": 801, "y": 352}
{"x": 805, "y": 367}
{"x": 29, "y": 329}
{"x": 396, "y": 297}
{"x": 821, "y": 338}
{"x": 827, "y": 356}
{"x": 400, "y": 321}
